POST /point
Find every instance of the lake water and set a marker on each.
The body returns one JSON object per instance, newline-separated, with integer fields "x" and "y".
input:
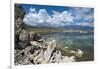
{"x": 83, "y": 41}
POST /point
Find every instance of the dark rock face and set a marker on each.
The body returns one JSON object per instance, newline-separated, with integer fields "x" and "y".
{"x": 23, "y": 37}
{"x": 18, "y": 26}
{"x": 19, "y": 13}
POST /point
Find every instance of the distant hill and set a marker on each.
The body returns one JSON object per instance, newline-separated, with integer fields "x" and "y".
{"x": 71, "y": 27}
{"x": 78, "y": 27}
{"x": 27, "y": 26}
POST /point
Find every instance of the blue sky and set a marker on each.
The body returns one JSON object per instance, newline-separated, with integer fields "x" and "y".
{"x": 57, "y": 16}
{"x": 47, "y": 7}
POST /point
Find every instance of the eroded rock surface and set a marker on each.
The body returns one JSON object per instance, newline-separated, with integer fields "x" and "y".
{"x": 40, "y": 54}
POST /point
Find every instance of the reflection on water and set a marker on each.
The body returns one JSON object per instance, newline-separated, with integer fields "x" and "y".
{"x": 83, "y": 41}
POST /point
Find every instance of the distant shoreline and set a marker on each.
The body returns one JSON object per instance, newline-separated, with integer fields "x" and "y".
{"x": 44, "y": 30}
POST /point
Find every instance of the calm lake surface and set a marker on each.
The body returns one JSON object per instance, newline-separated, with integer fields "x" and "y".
{"x": 75, "y": 40}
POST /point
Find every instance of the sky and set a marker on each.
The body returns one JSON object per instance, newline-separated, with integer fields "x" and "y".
{"x": 57, "y": 16}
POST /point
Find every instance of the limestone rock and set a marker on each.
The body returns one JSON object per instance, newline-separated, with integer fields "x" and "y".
{"x": 23, "y": 39}
{"x": 38, "y": 54}
{"x": 18, "y": 26}
{"x": 24, "y": 35}
{"x": 78, "y": 53}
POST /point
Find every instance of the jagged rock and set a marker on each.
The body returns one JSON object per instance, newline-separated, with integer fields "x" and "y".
{"x": 78, "y": 53}
{"x": 18, "y": 26}
{"x": 36, "y": 44}
{"x": 31, "y": 35}
{"x": 73, "y": 52}
{"x": 24, "y": 36}
{"x": 49, "y": 51}
{"x": 38, "y": 54}
{"x": 66, "y": 47}
{"x": 19, "y": 15}
{"x": 23, "y": 39}
{"x": 36, "y": 37}
{"x": 57, "y": 57}
{"x": 68, "y": 59}
{"x": 18, "y": 29}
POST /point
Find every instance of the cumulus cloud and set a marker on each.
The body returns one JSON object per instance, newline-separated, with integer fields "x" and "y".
{"x": 84, "y": 14}
{"x": 76, "y": 16}
{"x": 42, "y": 18}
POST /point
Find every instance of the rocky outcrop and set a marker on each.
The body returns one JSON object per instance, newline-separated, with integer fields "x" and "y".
{"x": 19, "y": 15}
{"x": 23, "y": 37}
{"x": 39, "y": 53}
{"x": 77, "y": 53}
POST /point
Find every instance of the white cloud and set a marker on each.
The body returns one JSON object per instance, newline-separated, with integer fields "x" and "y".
{"x": 43, "y": 18}
{"x": 87, "y": 24}
{"x": 66, "y": 17}
{"x": 32, "y": 10}
{"x": 43, "y": 14}
{"x": 83, "y": 16}
{"x": 83, "y": 13}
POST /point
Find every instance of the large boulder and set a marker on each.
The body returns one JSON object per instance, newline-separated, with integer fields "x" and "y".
{"x": 23, "y": 39}
{"x": 77, "y": 53}
{"x": 24, "y": 35}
